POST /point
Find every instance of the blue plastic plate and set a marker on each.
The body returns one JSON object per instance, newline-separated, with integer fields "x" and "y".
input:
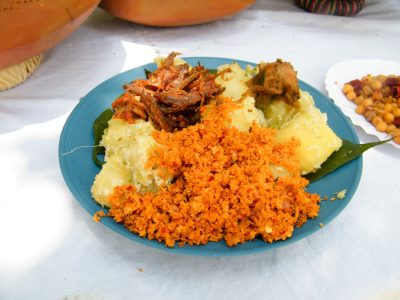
{"x": 79, "y": 170}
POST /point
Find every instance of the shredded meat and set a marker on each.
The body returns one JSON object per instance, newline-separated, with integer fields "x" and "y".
{"x": 154, "y": 111}
{"x": 129, "y": 108}
{"x": 277, "y": 80}
{"x": 170, "y": 97}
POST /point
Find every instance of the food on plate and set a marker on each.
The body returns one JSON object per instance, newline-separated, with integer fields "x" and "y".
{"x": 275, "y": 81}
{"x": 169, "y": 97}
{"x": 207, "y": 164}
{"x": 293, "y": 116}
{"x": 222, "y": 186}
{"x": 127, "y": 150}
{"x": 341, "y": 194}
{"x": 309, "y": 125}
{"x": 378, "y": 100}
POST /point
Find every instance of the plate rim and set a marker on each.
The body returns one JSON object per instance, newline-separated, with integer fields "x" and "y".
{"x": 196, "y": 250}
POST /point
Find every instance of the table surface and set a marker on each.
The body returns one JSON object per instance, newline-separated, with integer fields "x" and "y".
{"x": 50, "y": 247}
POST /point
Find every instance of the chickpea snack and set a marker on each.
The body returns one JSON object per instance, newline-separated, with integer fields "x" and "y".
{"x": 368, "y": 92}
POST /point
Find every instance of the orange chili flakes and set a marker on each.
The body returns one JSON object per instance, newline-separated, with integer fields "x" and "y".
{"x": 223, "y": 188}
{"x": 98, "y": 215}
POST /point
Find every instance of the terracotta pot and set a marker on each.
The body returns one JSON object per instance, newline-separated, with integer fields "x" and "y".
{"x": 173, "y": 12}
{"x": 28, "y": 28}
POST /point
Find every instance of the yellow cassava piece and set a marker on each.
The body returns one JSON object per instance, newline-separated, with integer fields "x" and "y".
{"x": 16, "y": 74}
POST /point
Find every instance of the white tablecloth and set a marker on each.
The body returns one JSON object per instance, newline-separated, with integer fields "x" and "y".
{"x": 51, "y": 249}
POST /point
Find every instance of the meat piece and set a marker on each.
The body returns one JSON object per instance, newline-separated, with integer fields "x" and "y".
{"x": 276, "y": 80}
{"x": 168, "y": 78}
{"x": 210, "y": 88}
{"x": 169, "y": 61}
{"x": 181, "y": 72}
{"x": 194, "y": 74}
{"x": 127, "y": 107}
{"x": 178, "y": 98}
{"x": 155, "y": 113}
{"x": 180, "y": 121}
{"x": 136, "y": 87}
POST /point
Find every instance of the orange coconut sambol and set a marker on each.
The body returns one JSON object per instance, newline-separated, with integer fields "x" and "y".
{"x": 191, "y": 165}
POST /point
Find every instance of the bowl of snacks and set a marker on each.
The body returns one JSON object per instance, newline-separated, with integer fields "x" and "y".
{"x": 368, "y": 92}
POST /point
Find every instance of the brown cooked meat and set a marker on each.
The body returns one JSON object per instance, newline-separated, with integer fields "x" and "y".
{"x": 275, "y": 81}
{"x": 170, "y": 97}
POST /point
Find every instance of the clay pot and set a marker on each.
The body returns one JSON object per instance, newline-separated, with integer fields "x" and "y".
{"x": 345, "y": 8}
{"x": 173, "y": 12}
{"x": 30, "y": 27}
